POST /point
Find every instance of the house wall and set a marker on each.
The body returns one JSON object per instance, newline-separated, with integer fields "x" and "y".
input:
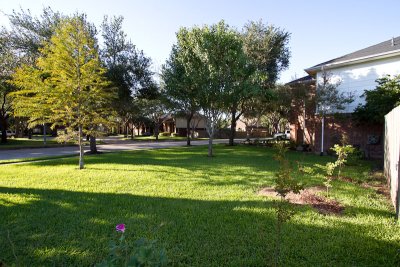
{"x": 359, "y": 135}
{"x": 359, "y": 77}
{"x": 199, "y": 122}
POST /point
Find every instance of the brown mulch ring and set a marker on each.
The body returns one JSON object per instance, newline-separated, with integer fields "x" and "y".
{"x": 381, "y": 189}
{"x": 376, "y": 182}
{"x": 309, "y": 196}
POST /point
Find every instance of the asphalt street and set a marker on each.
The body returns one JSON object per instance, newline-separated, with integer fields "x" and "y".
{"x": 111, "y": 146}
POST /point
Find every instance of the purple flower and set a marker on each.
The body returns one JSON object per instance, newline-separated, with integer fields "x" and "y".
{"x": 120, "y": 228}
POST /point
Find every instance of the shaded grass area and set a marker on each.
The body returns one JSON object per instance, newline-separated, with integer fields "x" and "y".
{"x": 204, "y": 211}
{"x": 9, "y": 161}
{"x": 35, "y": 142}
{"x": 160, "y": 138}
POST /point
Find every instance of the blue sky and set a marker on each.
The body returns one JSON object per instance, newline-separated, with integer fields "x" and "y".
{"x": 320, "y": 30}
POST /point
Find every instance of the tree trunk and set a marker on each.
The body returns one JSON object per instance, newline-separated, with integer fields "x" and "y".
{"x": 4, "y": 130}
{"x": 322, "y": 134}
{"x": 44, "y": 134}
{"x": 93, "y": 146}
{"x": 80, "y": 143}
{"x": 233, "y": 128}
{"x": 156, "y": 130}
{"x": 133, "y": 133}
{"x": 210, "y": 146}
{"x": 188, "y": 120}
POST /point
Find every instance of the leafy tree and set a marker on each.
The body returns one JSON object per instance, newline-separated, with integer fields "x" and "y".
{"x": 265, "y": 55}
{"x": 21, "y": 44}
{"x": 68, "y": 80}
{"x": 208, "y": 54}
{"x": 285, "y": 183}
{"x": 302, "y": 96}
{"x": 29, "y": 34}
{"x": 329, "y": 100}
{"x": 8, "y": 62}
{"x": 128, "y": 69}
{"x": 180, "y": 88}
{"x": 156, "y": 110}
{"x": 278, "y": 108}
{"x": 379, "y": 101}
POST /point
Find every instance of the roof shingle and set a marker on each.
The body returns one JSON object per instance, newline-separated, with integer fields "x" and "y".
{"x": 377, "y": 49}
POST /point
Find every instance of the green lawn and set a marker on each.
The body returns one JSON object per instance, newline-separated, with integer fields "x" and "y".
{"x": 57, "y": 215}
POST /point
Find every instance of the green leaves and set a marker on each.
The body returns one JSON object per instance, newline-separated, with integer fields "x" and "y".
{"x": 328, "y": 98}
{"x": 67, "y": 86}
{"x": 141, "y": 252}
{"x": 379, "y": 101}
{"x": 285, "y": 182}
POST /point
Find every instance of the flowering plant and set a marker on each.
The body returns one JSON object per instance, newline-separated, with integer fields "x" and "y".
{"x": 142, "y": 252}
{"x": 120, "y": 228}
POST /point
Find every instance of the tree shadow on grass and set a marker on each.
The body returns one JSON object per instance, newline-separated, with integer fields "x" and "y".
{"x": 250, "y": 166}
{"x": 67, "y": 228}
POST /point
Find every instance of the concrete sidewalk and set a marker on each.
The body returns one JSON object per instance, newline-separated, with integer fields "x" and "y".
{"x": 117, "y": 146}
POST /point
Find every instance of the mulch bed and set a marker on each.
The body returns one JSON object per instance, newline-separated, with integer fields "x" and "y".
{"x": 309, "y": 196}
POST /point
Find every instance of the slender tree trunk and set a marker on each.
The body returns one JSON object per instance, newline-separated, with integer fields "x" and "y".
{"x": 156, "y": 130}
{"x": 133, "y": 133}
{"x": 210, "y": 146}
{"x": 322, "y": 135}
{"x": 3, "y": 130}
{"x": 188, "y": 120}
{"x": 233, "y": 128}
{"x": 80, "y": 143}
{"x": 93, "y": 146}
{"x": 44, "y": 134}
{"x": 247, "y": 132}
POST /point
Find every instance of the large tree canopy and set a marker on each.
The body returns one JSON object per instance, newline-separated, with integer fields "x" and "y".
{"x": 212, "y": 57}
{"x": 28, "y": 34}
{"x": 67, "y": 85}
{"x": 128, "y": 69}
{"x": 267, "y": 47}
{"x": 380, "y": 101}
{"x": 180, "y": 88}
{"x": 222, "y": 70}
{"x": 266, "y": 54}
{"x": 21, "y": 44}
{"x": 8, "y": 63}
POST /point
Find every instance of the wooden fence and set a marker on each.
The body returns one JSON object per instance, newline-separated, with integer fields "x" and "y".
{"x": 392, "y": 155}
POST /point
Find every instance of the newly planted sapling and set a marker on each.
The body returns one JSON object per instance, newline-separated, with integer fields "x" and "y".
{"x": 329, "y": 168}
{"x": 342, "y": 152}
{"x": 285, "y": 183}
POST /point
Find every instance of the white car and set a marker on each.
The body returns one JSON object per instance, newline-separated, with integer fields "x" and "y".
{"x": 282, "y": 136}
{"x": 10, "y": 133}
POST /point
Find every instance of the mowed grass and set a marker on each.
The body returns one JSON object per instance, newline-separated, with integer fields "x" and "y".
{"x": 15, "y": 143}
{"x": 203, "y": 211}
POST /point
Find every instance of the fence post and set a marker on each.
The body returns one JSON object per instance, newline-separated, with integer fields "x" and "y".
{"x": 398, "y": 188}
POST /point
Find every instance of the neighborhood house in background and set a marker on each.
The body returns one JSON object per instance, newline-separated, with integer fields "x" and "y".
{"x": 354, "y": 73}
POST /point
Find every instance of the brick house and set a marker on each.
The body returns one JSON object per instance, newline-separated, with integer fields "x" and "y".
{"x": 354, "y": 73}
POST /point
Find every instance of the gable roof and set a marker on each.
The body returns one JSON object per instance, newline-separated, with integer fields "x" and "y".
{"x": 384, "y": 49}
{"x": 302, "y": 80}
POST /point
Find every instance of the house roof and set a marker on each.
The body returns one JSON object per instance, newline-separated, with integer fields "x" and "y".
{"x": 384, "y": 49}
{"x": 303, "y": 80}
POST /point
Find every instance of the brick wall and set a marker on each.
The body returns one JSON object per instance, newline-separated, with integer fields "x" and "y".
{"x": 369, "y": 138}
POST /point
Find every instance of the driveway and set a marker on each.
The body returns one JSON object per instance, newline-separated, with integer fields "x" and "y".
{"x": 111, "y": 147}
